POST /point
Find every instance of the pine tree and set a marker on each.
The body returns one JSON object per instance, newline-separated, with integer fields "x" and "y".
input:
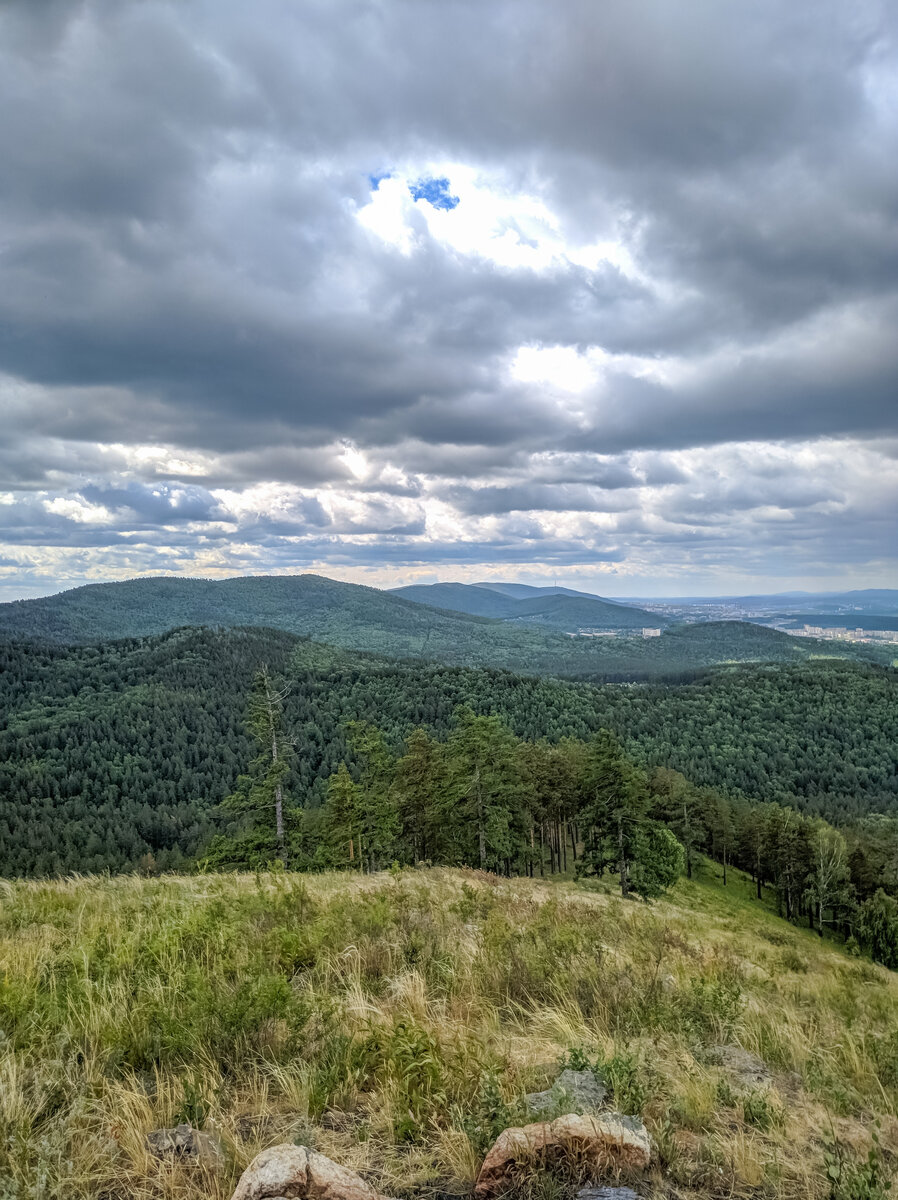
{"x": 678, "y": 804}
{"x": 378, "y": 814}
{"x": 419, "y": 782}
{"x": 342, "y": 817}
{"x": 617, "y": 831}
{"x": 482, "y": 808}
{"x": 257, "y": 803}
{"x": 266, "y": 710}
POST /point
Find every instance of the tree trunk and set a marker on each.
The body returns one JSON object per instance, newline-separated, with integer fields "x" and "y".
{"x": 278, "y": 795}
{"x": 542, "y": 853}
{"x": 622, "y": 863}
{"x": 687, "y": 829}
{"x": 481, "y": 828}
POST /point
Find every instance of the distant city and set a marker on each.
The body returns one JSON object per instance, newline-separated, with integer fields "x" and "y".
{"x": 786, "y": 615}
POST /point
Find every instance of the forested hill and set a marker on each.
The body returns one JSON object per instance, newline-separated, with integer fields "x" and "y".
{"x": 363, "y": 618}
{"x": 557, "y": 610}
{"x": 109, "y": 753}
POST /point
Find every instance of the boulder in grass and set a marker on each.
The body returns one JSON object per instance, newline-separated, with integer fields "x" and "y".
{"x": 609, "y": 1142}
{"x": 574, "y": 1091}
{"x": 747, "y": 1072}
{"x": 297, "y": 1173}
{"x": 185, "y": 1144}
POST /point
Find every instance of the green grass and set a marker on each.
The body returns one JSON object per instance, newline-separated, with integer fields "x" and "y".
{"x": 395, "y": 1022}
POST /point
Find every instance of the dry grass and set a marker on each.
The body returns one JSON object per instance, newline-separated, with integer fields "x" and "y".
{"x": 395, "y": 1022}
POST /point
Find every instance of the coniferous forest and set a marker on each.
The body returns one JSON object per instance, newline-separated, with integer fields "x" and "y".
{"x": 140, "y": 754}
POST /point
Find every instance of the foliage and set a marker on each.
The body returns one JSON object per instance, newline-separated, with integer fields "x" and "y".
{"x": 877, "y": 928}
{"x": 853, "y": 1179}
{"x": 618, "y": 833}
{"x": 116, "y": 757}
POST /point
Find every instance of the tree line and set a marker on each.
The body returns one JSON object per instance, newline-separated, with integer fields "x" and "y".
{"x": 483, "y": 797}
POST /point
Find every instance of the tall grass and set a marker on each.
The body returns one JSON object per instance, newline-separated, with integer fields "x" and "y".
{"x": 395, "y": 1023}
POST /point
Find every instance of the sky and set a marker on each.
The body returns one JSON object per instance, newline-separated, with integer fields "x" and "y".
{"x": 412, "y": 290}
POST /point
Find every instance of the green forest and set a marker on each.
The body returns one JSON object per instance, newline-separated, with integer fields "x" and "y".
{"x": 120, "y": 755}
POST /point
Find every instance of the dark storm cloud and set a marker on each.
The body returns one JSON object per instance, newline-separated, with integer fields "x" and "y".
{"x": 183, "y": 264}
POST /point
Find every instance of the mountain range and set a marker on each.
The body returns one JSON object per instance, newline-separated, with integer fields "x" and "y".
{"x": 529, "y": 635}
{"x": 560, "y": 609}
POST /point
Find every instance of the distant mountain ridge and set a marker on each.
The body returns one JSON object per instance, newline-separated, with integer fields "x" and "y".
{"x": 356, "y": 617}
{"x": 557, "y": 608}
{"x": 526, "y": 591}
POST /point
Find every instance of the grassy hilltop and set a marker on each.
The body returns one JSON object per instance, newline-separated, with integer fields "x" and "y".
{"x": 396, "y": 1021}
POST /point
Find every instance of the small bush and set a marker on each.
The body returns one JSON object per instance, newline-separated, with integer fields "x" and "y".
{"x": 761, "y": 1110}
{"x": 853, "y": 1179}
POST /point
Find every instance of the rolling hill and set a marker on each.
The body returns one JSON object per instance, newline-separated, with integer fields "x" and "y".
{"x": 362, "y": 618}
{"x": 459, "y": 597}
{"x": 559, "y": 609}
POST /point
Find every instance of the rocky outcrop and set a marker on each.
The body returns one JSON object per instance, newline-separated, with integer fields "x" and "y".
{"x": 747, "y": 1072}
{"x": 601, "y": 1143}
{"x": 183, "y": 1143}
{"x": 572, "y": 1091}
{"x": 296, "y": 1173}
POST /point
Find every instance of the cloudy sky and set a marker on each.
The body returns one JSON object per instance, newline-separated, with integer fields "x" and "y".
{"x": 406, "y": 290}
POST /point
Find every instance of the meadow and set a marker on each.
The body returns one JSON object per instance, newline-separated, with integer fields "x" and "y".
{"x": 396, "y": 1021}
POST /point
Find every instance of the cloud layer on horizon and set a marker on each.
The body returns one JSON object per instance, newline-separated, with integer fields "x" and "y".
{"x": 399, "y": 290}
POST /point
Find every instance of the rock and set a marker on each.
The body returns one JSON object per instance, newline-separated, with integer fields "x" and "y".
{"x": 607, "y": 1142}
{"x": 607, "y": 1193}
{"x": 747, "y": 1072}
{"x": 186, "y": 1144}
{"x": 578, "y": 1091}
{"x": 296, "y": 1173}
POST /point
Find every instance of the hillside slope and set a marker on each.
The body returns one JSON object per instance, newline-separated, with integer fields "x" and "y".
{"x": 365, "y": 619}
{"x": 396, "y": 1024}
{"x": 303, "y": 604}
{"x": 459, "y": 597}
{"x": 112, "y": 753}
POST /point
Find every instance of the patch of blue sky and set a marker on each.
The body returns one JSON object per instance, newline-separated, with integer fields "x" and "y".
{"x": 377, "y": 180}
{"x": 434, "y": 191}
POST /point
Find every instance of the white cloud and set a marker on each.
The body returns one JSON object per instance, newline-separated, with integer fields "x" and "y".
{"x": 78, "y": 510}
